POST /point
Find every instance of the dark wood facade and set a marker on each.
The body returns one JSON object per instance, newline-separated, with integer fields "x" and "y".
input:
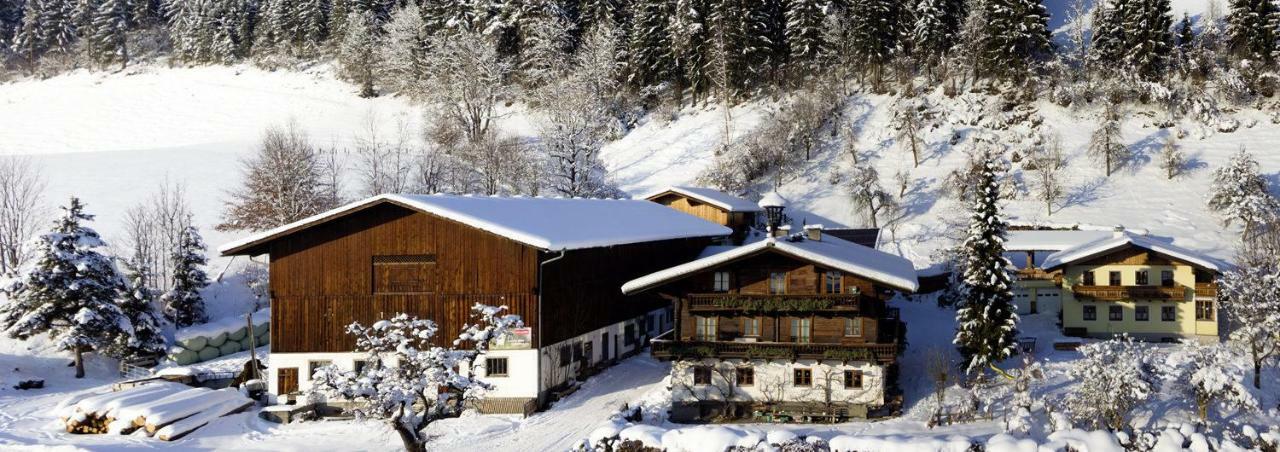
{"x": 387, "y": 259}
{"x": 740, "y": 222}
{"x": 846, "y": 319}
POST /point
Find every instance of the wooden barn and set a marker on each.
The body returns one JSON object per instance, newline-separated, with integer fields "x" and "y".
{"x": 556, "y": 262}
{"x": 711, "y": 205}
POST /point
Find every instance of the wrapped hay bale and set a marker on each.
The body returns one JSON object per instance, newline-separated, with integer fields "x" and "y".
{"x": 261, "y": 328}
{"x": 182, "y": 356}
{"x": 218, "y": 339}
{"x": 194, "y": 343}
{"x": 238, "y": 335}
{"x": 209, "y": 353}
{"x": 228, "y": 348}
{"x": 264, "y": 339}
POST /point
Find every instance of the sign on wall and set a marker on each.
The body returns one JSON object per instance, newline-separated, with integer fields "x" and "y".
{"x": 514, "y": 339}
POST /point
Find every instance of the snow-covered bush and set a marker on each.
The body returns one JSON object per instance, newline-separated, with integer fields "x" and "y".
{"x": 409, "y": 381}
{"x": 1114, "y": 377}
{"x": 1250, "y": 299}
{"x": 1216, "y": 381}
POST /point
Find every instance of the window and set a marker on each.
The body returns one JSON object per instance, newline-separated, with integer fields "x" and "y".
{"x": 1166, "y": 278}
{"x": 313, "y": 365}
{"x": 629, "y": 334}
{"x": 1168, "y": 314}
{"x": 360, "y": 364}
{"x": 1088, "y": 279}
{"x": 750, "y": 326}
{"x": 721, "y": 282}
{"x": 1140, "y": 278}
{"x": 800, "y": 330}
{"x": 1113, "y": 278}
{"x": 701, "y": 375}
{"x": 853, "y": 379}
{"x": 834, "y": 280}
{"x": 1091, "y": 312}
{"x": 853, "y": 327}
{"x": 1115, "y": 313}
{"x": 1204, "y": 310}
{"x": 802, "y": 377}
{"x": 495, "y": 367}
{"x": 403, "y": 274}
{"x": 778, "y": 283}
{"x": 706, "y": 328}
{"x": 578, "y": 354}
{"x": 1142, "y": 313}
{"x": 746, "y": 376}
{"x": 566, "y": 356}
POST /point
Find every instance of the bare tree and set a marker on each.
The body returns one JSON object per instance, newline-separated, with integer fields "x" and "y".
{"x": 384, "y": 166}
{"x": 22, "y": 187}
{"x": 869, "y": 197}
{"x": 282, "y": 183}
{"x": 907, "y": 122}
{"x": 468, "y": 81}
{"x": 1046, "y": 164}
{"x": 154, "y": 228}
{"x": 1105, "y": 144}
{"x": 940, "y": 371}
{"x": 1172, "y": 159}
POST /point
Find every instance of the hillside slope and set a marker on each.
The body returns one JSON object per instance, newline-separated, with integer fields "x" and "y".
{"x": 111, "y": 138}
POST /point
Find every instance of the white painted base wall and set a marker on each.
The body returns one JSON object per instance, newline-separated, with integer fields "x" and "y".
{"x": 773, "y": 382}
{"x": 522, "y": 365}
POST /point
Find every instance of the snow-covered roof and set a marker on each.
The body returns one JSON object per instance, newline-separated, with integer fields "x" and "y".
{"x": 831, "y": 252}
{"x": 710, "y": 196}
{"x": 1116, "y": 241}
{"x": 1052, "y": 240}
{"x": 772, "y": 199}
{"x": 545, "y": 223}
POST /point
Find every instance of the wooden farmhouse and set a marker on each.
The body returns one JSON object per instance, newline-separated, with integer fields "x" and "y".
{"x": 785, "y": 325}
{"x": 1104, "y": 283}
{"x": 711, "y": 205}
{"x": 558, "y": 263}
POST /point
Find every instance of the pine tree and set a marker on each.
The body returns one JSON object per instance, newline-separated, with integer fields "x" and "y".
{"x": 69, "y": 292}
{"x": 1016, "y": 36}
{"x": 650, "y": 52}
{"x": 765, "y": 50}
{"x": 1186, "y": 34}
{"x": 27, "y": 42}
{"x": 137, "y": 301}
{"x": 1240, "y": 194}
{"x": 544, "y": 44}
{"x": 987, "y": 325}
{"x": 57, "y": 27}
{"x": 110, "y": 23}
{"x": 403, "y": 53}
{"x": 873, "y": 35}
{"x": 1149, "y": 36}
{"x": 1105, "y": 144}
{"x": 804, "y": 34}
{"x": 357, "y": 54}
{"x": 183, "y": 304}
{"x": 689, "y": 38}
{"x": 1107, "y": 48}
{"x": 1251, "y": 29}
{"x": 935, "y": 28}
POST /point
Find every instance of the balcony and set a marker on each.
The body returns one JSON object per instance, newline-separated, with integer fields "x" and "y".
{"x": 1038, "y": 274}
{"x": 1120, "y": 293}
{"x": 704, "y": 302}
{"x": 668, "y": 349}
{"x": 1206, "y": 290}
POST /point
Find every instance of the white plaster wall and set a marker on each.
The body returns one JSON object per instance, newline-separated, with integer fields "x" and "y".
{"x": 554, "y": 373}
{"x": 773, "y": 382}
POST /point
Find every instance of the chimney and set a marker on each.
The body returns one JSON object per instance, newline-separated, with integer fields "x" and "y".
{"x": 813, "y": 232}
{"x": 780, "y": 231}
{"x": 773, "y": 204}
{"x": 1117, "y": 231}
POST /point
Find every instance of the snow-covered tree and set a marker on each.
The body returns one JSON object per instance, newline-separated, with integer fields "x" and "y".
{"x": 1186, "y": 32}
{"x": 987, "y": 326}
{"x": 1240, "y": 194}
{"x": 869, "y": 196}
{"x": 1046, "y": 164}
{"x": 804, "y": 22}
{"x": 651, "y": 57}
{"x": 936, "y": 26}
{"x": 1252, "y": 29}
{"x": 69, "y": 291}
{"x": 183, "y": 304}
{"x": 21, "y": 210}
{"x": 210, "y": 31}
{"x": 357, "y": 54}
{"x": 689, "y": 38}
{"x": 110, "y": 22}
{"x": 1172, "y": 159}
{"x": 1015, "y": 36}
{"x": 544, "y": 45}
{"x": 404, "y": 51}
{"x": 1216, "y": 381}
{"x": 467, "y": 82}
{"x": 1106, "y": 142}
{"x": 137, "y": 302}
{"x": 1113, "y": 378}
{"x": 283, "y": 182}
{"x": 409, "y": 380}
{"x": 909, "y": 124}
{"x": 873, "y": 37}
{"x": 1250, "y": 300}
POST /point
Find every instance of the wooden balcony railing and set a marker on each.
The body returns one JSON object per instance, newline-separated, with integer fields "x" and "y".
{"x": 1038, "y": 274}
{"x": 668, "y": 349}
{"x": 1206, "y": 290}
{"x": 782, "y": 303}
{"x": 1118, "y": 293}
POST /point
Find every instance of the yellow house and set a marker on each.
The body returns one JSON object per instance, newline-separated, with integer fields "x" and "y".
{"x": 1128, "y": 283}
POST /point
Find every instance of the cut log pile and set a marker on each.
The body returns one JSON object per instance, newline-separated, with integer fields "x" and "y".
{"x": 162, "y": 410}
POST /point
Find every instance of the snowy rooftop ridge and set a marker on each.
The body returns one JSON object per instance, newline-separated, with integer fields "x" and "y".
{"x": 710, "y": 196}
{"x": 545, "y": 223}
{"x": 1118, "y": 240}
{"x": 845, "y": 256}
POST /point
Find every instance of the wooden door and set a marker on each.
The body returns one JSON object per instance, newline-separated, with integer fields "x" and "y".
{"x": 287, "y": 380}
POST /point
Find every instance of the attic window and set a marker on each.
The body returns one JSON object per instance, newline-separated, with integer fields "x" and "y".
{"x": 403, "y": 274}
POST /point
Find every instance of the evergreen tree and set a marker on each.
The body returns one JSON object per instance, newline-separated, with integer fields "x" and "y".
{"x": 1016, "y": 35}
{"x": 935, "y": 28}
{"x": 544, "y": 44}
{"x": 987, "y": 325}
{"x": 357, "y": 54}
{"x": 804, "y": 34}
{"x": 1251, "y": 29}
{"x": 766, "y": 48}
{"x": 70, "y": 291}
{"x": 1149, "y": 38}
{"x": 726, "y": 53}
{"x": 1239, "y": 193}
{"x": 57, "y": 27}
{"x": 183, "y": 304}
{"x": 27, "y": 42}
{"x": 404, "y": 51}
{"x": 873, "y": 34}
{"x": 1186, "y": 34}
{"x": 110, "y": 22}
{"x": 689, "y": 38}
{"x": 650, "y": 52}
{"x": 10, "y": 19}
{"x": 137, "y": 301}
